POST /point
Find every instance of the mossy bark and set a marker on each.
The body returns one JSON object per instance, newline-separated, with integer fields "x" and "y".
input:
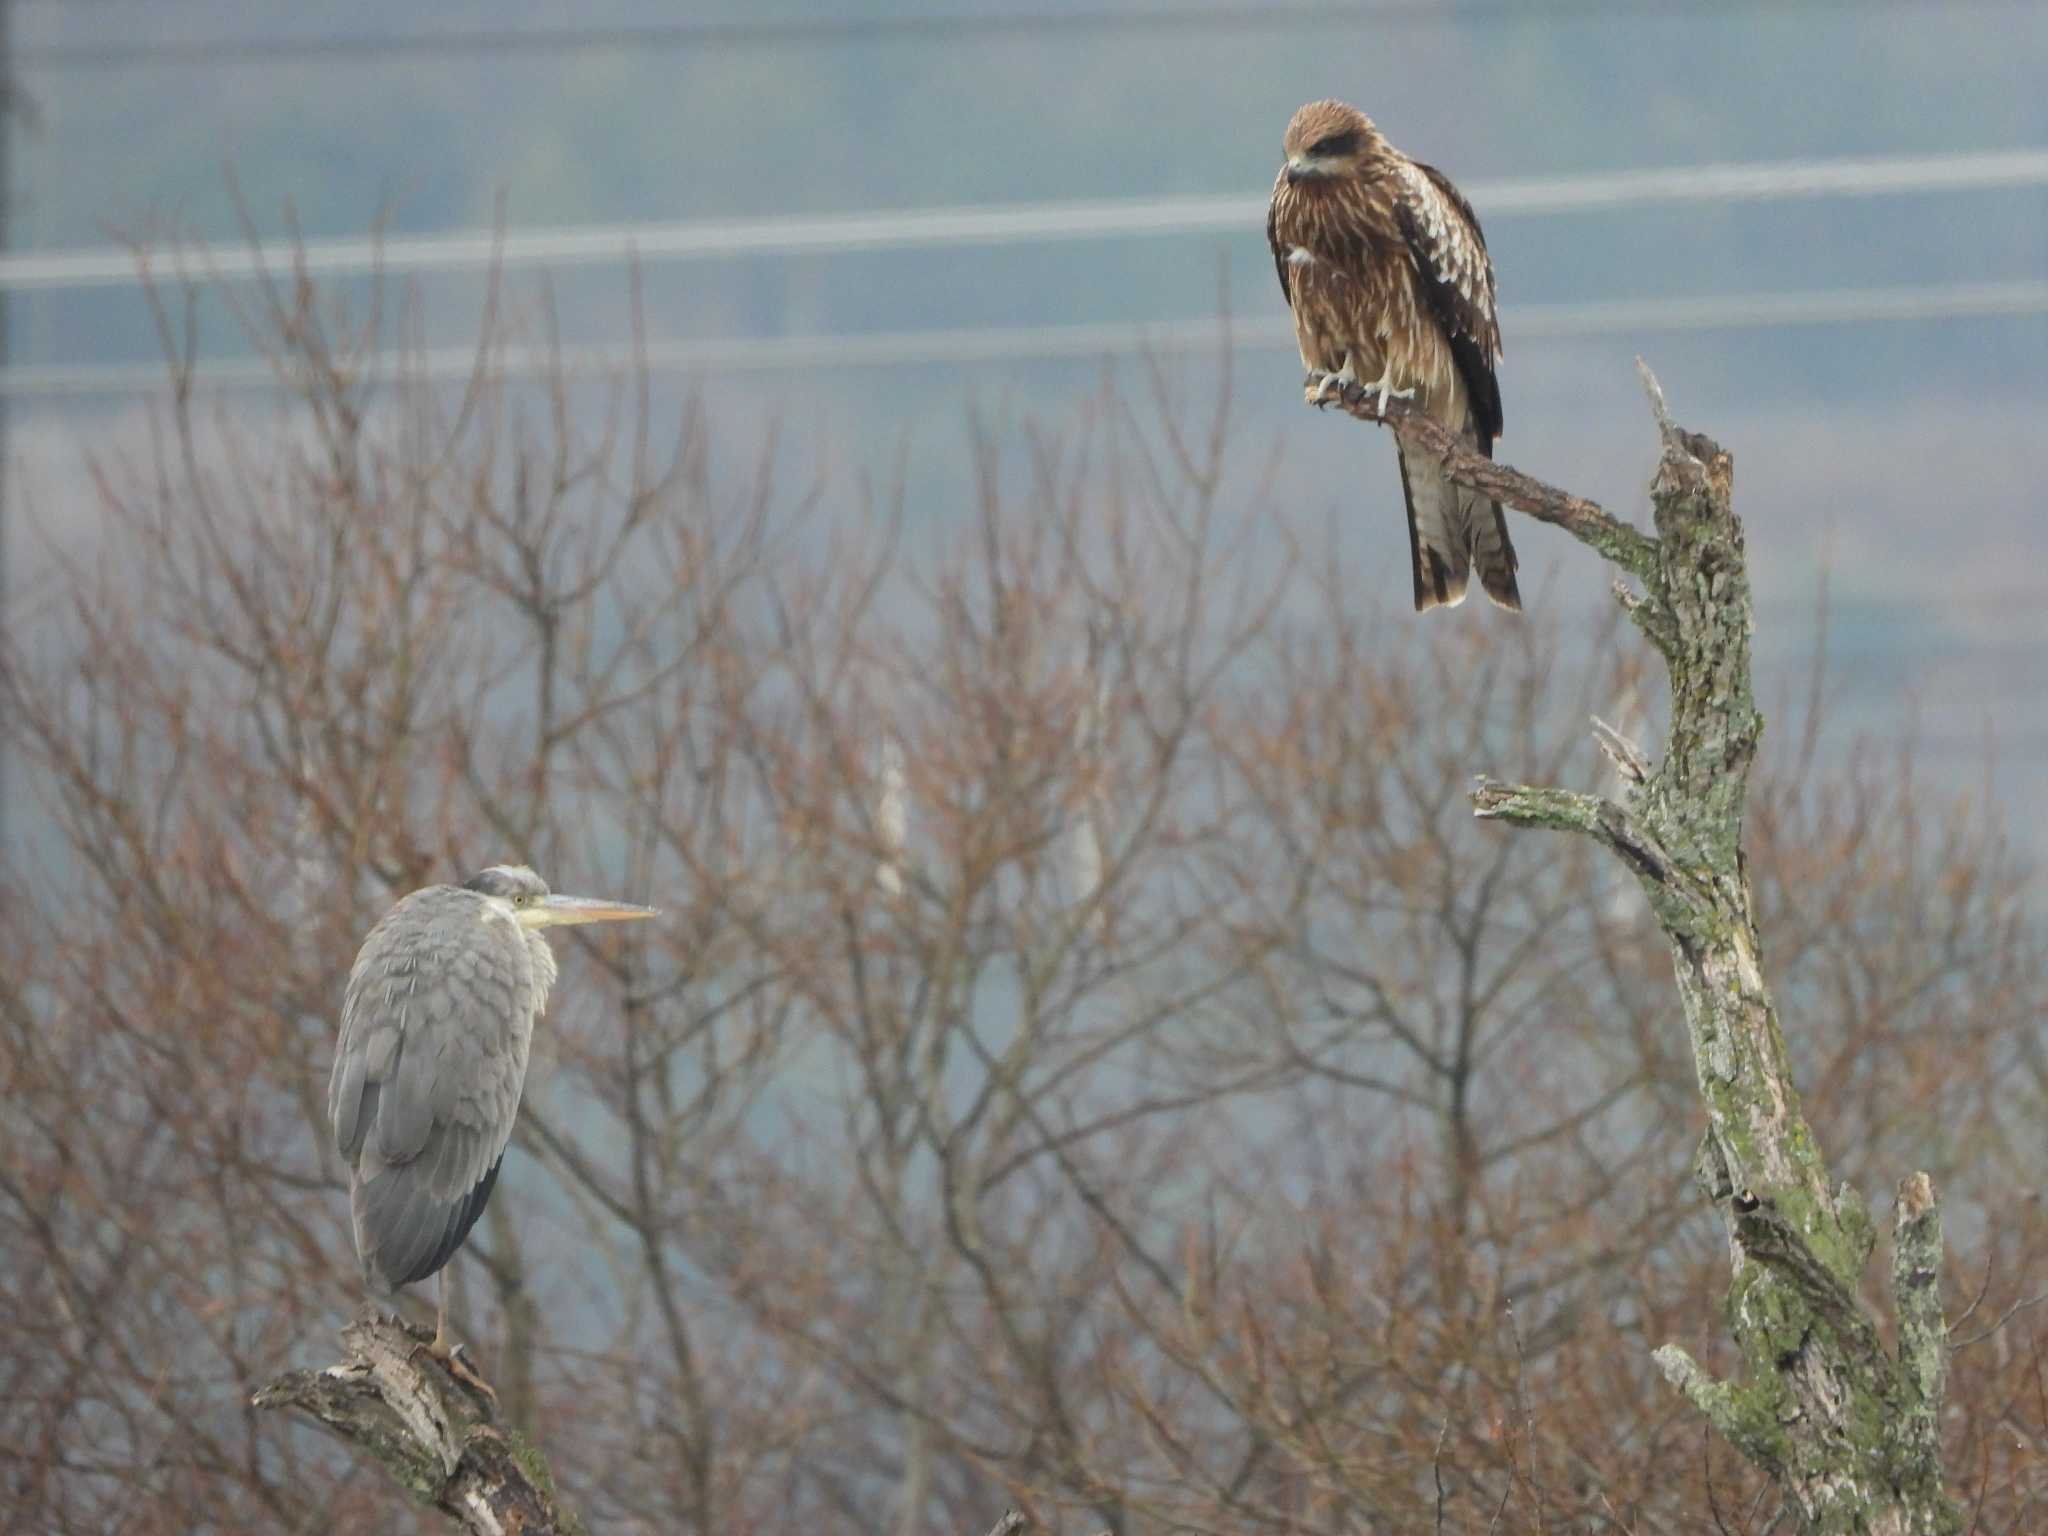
{"x": 436, "y": 1437}
{"x": 1846, "y": 1426}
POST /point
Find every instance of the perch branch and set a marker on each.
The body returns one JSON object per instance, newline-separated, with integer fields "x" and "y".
{"x": 389, "y": 1400}
{"x": 1587, "y": 521}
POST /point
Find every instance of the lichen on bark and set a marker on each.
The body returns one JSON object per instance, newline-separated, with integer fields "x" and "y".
{"x": 1846, "y": 1426}
{"x": 437, "y": 1438}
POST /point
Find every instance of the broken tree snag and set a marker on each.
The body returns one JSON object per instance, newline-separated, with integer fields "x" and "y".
{"x": 393, "y": 1404}
{"x": 1847, "y": 1426}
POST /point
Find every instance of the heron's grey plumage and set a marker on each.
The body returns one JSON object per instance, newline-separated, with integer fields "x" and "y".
{"x": 436, "y": 1024}
{"x": 435, "y": 1029}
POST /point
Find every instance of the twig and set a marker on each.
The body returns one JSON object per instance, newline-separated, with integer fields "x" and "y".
{"x": 1528, "y": 1415}
{"x": 1628, "y": 758}
{"x": 1976, "y": 1301}
{"x": 1506, "y": 1492}
{"x": 1707, "y": 1476}
{"x": 2025, "y": 1305}
{"x": 1665, "y": 425}
{"x": 1436, "y": 1467}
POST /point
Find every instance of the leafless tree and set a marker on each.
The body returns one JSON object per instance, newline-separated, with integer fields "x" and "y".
{"x": 1094, "y": 1063}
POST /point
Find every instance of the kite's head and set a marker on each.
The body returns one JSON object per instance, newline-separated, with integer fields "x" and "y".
{"x": 1327, "y": 138}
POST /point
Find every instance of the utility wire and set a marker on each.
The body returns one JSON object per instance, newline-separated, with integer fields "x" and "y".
{"x": 928, "y": 27}
{"x": 992, "y": 344}
{"x": 821, "y": 234}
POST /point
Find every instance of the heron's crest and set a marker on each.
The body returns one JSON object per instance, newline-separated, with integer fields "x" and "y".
{"x": 507, "y": 882}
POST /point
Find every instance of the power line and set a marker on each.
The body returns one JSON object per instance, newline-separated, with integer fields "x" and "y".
{"x": 927, "y": 27}
{"x": 992, "y": 344}
{"x": 794, "y": 235}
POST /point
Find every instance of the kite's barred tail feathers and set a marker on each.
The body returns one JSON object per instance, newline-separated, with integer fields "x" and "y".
{"x": 1492, "y": 552}
{"x": 1451, "y": 529}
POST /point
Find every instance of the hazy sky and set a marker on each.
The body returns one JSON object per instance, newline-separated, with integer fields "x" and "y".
{"x": 1902, "y": 453}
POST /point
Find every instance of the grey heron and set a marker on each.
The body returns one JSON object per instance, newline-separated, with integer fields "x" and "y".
{"x": 435, "y": 1027}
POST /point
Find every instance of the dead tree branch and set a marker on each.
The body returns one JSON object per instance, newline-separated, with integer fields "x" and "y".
{"x": 1584, "y": 520}
{"x": 1846, "y": 1426}
{"x": 391, "y": 1402}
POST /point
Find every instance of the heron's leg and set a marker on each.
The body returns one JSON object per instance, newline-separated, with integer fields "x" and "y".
{"x": 447, "y": 1351}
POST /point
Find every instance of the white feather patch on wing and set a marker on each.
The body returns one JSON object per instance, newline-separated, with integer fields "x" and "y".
{"x": 1454, "y": 252}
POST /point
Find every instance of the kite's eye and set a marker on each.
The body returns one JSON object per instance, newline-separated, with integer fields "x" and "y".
{"x": 1334, "y": 147}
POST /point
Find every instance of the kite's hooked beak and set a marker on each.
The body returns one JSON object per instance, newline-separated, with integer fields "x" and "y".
{"x": 1300, "y": 170}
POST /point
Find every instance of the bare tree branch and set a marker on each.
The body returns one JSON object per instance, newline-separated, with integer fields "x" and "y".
{"x": 389, "y": 1401}
{"x": 1584, "y": 520}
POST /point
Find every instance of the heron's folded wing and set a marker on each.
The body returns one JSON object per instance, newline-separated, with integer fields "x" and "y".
{"x": 375, "y": 1014}
{"x": 427, "y": 1077}
{"x": 435, "y": 1026}
{"x": 410, "y": 1219}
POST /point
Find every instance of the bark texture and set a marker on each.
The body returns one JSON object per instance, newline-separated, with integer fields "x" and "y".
{"x": 394, "y": 1404}
{"x": 391, "y": 1402}
{"x": 1846, "y": 1425}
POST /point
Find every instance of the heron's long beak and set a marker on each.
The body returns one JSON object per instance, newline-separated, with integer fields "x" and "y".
{"x": 552, "y": 911}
